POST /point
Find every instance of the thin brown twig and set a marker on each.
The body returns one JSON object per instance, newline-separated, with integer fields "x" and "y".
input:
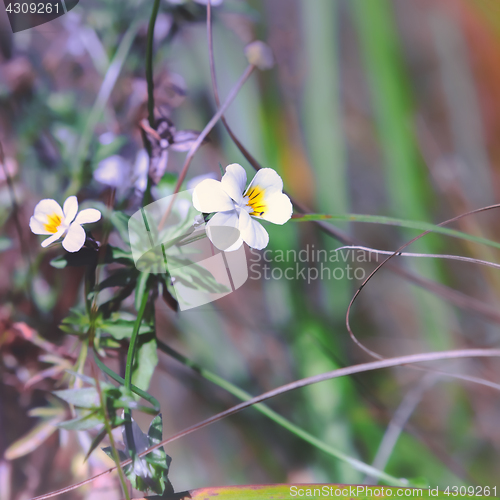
{"x": 230, "y": 98}
{"x": 340, "y": 372}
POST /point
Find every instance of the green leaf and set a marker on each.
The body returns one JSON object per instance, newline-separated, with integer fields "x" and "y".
{"x": 5, "y": 244}
{"x": 121, "y": 277}
{"x": 121, "y": 329}
{"x": 83, "y": 422}
{"x": 145, "y": 360}
{"x": 118, "y": 256}
{"x": 86, "y": 397}
{"x": 84, "y": 257}
{"x": 120, "y": 222}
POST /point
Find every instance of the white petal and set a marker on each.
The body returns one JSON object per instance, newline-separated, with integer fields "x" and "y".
{"x": 75, "y": 238}
{"x": 234, "y": 181}
{"x": 222, "y": 230}
{"x": 70, "y": 208}
{"x": 88, "y": 215}
{"x": 53, "y": 238}
{"x": 47, "y": 207}
{"x": 253, "y": 234}
{"x": 38, "y": 227}
{"x": 279, "y": 209}
{"x": 208, "y": 197}
{"x": 268, "y": 180}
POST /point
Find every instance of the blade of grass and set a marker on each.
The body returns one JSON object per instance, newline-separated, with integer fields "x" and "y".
{"x": 392, "y": 221}
{"x": 405, "y": 175}
{"x": 95, "y": 114}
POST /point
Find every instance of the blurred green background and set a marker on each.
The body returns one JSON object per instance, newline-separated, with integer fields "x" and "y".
{"x": 373, "y": 107}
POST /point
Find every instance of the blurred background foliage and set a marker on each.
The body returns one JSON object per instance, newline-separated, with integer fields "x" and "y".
{"x": 375, "y": 107}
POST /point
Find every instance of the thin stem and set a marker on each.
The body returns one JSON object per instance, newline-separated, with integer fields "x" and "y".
{"x": 402, "y": 247}
{"x": 234, "y": 92}
{"x": 149, "y": 63}
{"x": 109, "y": 432}
{"x": 128, "y": 370}
{"x": 133, "y": 341}
{"x": 422, "y": 255}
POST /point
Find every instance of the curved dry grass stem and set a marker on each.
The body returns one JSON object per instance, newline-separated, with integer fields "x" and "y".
{"x": 210, "y": 125}
{"x": 394, "y": 254}
{"x": 340, "y": 372}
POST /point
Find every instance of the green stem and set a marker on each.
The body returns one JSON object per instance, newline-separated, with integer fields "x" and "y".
{"x": 109, "y": 432}
{"x": 128, "y": 370}
{"x": 276, "y": 417}
{"x": 391, "y": 221}
{"x": 149, "y": 63}
{"x": 108, "y": 371}
{"x": 133, "y": 341}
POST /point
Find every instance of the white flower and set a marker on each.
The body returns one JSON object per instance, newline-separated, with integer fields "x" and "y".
{"x": 239, "y": 208}
{"x": 50, "y": 218}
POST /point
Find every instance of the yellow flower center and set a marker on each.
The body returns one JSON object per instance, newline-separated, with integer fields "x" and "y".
{"x": 256, "y": 201}
{"x": 53, "y": 223}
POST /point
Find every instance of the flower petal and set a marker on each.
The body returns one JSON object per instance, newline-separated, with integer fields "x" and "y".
{"x": 253, "y": 234}
{"x": 75, "y": 237}
{"x": 268, "y": 180}
{"x": 54, "y": 237}
{"x": 234, "y": 181}
{"x": 279, "y": 209}
{"x": 47, "y": 207}
{"x": 88, "y": 215}
{"x": 222, "y": 230}
{"x": 70, "y": 208}
{"x": 38, "y": 227}
{"x": 208, "y": 197}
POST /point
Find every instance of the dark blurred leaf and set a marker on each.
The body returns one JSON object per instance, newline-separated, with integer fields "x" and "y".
{"x": 121, "y": 277}
{"x": 84, "y": 257}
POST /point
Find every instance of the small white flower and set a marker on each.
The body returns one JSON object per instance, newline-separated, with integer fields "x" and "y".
{"x": 239, "y": 207}
{"x": 50, "y": 218}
